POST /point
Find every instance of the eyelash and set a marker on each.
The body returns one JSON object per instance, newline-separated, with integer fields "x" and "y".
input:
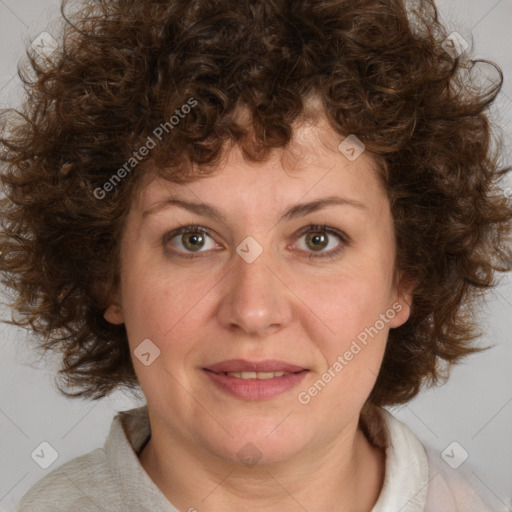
{"x": 312, "y": 228}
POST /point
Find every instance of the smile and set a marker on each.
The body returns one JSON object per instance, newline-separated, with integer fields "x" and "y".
{"x": 255, "y": 375}
{"x": 254, "y": 380}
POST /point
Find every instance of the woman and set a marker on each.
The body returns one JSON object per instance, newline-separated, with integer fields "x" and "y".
{"x": 273, "y": 217}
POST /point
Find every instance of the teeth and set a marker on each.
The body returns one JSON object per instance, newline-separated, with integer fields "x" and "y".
{"x": 256, "y": 375}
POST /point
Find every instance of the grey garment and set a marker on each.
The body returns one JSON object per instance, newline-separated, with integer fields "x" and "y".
{"x": 108, "y": 479}
{"x": 111, "y": 479}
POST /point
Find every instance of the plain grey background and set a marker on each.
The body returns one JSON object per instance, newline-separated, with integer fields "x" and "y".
{"x": 474, "y": 409}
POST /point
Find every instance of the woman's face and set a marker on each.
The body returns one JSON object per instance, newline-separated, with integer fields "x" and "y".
{"x": 256, "y": 292}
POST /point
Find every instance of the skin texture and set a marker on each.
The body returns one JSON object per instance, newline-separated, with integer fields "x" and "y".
{"x": 281, "y": 306}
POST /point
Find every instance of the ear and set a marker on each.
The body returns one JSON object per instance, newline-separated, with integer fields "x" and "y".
{"x": 403, "y": 297}
{"x": 114, "y": 314}
{"x": 114, "y": 311}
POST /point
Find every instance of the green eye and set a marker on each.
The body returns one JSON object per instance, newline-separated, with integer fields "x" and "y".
{"x": 320, "y": 237}
{"x": 188, "y": 240}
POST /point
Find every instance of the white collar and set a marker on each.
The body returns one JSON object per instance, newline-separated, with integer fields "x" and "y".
{"x": 405, "y": 481}
{"x": 407, "y": 470}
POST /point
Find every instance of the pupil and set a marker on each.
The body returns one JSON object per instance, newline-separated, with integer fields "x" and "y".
{"x": 195, "y": 239}
{"x": 316, "y": 239}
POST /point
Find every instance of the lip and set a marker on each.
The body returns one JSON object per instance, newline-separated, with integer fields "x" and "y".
{"x": 254, "y": 389}
{"x": 241, "y": 365}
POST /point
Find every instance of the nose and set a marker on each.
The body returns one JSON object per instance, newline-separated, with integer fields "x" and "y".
{"x": 255, "y": 299}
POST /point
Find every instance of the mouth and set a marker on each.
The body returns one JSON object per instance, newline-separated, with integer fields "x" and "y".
{"x": 243, "y": 366}
{"x": 254, "y": 375}
{"x": 251, "y": 380}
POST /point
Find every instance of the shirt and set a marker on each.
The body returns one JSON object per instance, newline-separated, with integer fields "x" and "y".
{"x": 111, "y": 478}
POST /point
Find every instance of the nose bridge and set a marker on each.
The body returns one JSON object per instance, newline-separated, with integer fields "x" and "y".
{"x": 254, "y": 298}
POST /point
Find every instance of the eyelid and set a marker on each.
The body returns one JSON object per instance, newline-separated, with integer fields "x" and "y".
{"x": 187, "y": 228}
{"x": 343, "y": 237}
{"x": 310, "y": 228}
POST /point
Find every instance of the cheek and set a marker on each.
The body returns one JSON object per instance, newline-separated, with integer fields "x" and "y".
{"x": 350, "y": 302}
{"x": 355, "y": 315}
{"x": 165, "y": 311}
{"x": 154, "y": 303}
{"x": 352, "y": 354}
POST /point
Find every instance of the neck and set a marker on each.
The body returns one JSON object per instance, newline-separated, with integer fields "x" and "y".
{"x": 347, "y": 476}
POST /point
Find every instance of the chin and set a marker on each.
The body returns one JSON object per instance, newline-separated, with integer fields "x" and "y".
{"x": 260, "y": 443}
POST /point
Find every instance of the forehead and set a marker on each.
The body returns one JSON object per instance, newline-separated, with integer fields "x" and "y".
{"x": 310, "y": 167}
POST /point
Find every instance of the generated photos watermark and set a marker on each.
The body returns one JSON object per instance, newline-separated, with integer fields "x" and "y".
{"x": 304, "y": 397}
{"x": 144, "y": 150}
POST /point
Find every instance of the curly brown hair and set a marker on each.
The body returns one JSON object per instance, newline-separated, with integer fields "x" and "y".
{"x": 124, "y": 67}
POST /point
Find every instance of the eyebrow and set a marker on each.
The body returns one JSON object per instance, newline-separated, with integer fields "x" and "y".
{"x": 298, "y": 210}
